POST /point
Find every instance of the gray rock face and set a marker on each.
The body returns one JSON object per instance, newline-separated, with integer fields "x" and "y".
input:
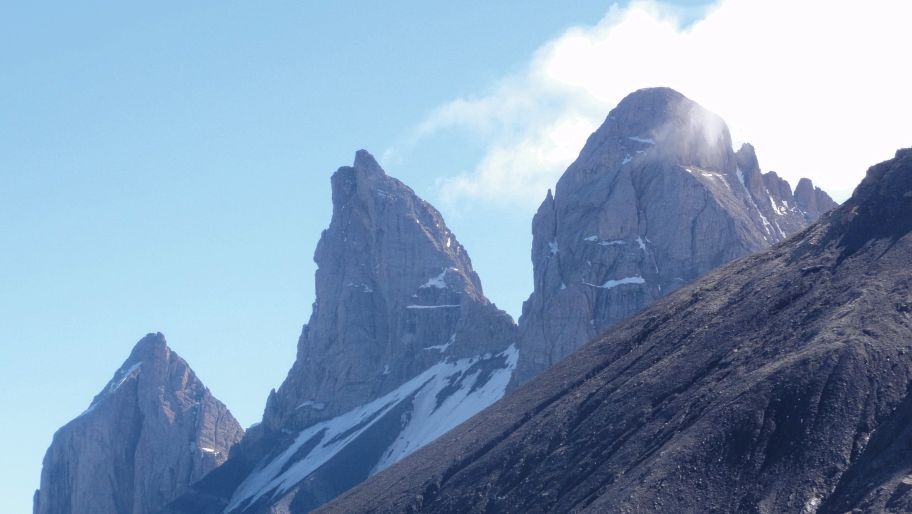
{"x": 812, "y": 200}
{"x": 152, "y": 431}
{"x": 396, "y": 294}
{"x": 781, "y": 382}
{"x": 401, "y": 346}
{"x": 656, "y": 198}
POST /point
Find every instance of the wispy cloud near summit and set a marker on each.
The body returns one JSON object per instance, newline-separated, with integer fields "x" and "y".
{"x": 818, "y": 87}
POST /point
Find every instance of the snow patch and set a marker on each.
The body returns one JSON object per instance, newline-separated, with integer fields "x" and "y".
{"x": 312, "y": 404}
{"x": 431, "y": 417}
{"x": 779, "y": 210}
{"x": 610, "y": 284}
{"x": 811, "y": 506}
{"x": 128, "y": 374}
{"x": 552, "y": 245}
{"x": 119, "y": 379}
{"x": 641, "y": 243}
{"x": 442, "y": 347}
{"x": 448, "y": 306}
{"x": 595, "y": 239}
{"x": 433, "y": 421}
{"x": 439, "y": 281}
{"x": 741, "y": 179}
{"x": 364, "y": 287}
{"x": 781, "y": 232}
{"x": 646, "y": 140}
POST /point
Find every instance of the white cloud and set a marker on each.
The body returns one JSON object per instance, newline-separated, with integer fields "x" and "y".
{"x": 819, "y": 87}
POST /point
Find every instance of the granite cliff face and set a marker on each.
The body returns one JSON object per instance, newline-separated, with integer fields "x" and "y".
{"x": 152, "y": 431}
{"x": 401, "y": 346}
{"x": 656, "y": 198}
{"x": 781, "y": 382}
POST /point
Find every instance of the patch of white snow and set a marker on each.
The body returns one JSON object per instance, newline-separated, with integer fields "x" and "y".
{"x": 428, "y": 421}
{"x": 312, "y": 404}
{"x": 610, "y": 284}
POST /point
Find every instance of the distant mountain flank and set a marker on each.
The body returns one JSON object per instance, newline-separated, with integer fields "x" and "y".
{"x": 778, "y": 383}
{"x": 656, "y": 198}
{"x": 153, "y": 430}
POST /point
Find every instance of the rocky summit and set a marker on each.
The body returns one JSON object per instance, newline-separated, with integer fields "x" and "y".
{"x": 153, "y": 430}
{"x": 781, "y": 382}
{"x": 656, "y": 198}
{"x": 401, "y": 347}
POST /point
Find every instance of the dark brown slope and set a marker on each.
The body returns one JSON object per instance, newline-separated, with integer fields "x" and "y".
{"x": 779, "y": 383}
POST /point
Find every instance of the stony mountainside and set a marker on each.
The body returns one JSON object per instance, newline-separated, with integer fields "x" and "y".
{"x": 152, "y": 431}
{"x": 656, "y": 198}
{"x": 781, "y": 382}
{"x": 402, "y": 346}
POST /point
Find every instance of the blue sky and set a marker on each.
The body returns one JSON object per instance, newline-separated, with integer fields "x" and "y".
{"x": 165, "y": 167}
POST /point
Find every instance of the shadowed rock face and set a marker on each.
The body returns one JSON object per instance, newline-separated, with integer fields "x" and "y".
{"x": 656, "y": 198}
{"x": 402, "y": 346}
{"x": 778, "y": 383}
{"x": 151, "y": 432}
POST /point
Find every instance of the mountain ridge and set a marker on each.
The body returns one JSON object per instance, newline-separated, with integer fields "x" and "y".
{"x": 778, "y": 382}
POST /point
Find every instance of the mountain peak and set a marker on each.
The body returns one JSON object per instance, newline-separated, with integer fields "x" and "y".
{"x": 666, "y": 112}
{"x": 359, "y": 179}
{"x": 151, "y": 431}
{"x": 656, "y": 198}
{"x": 888, "y": 179}
{"x": 662, "y": 124}
{"x": 881, "y": 206}
{"x": 151, "y": 347}
{"x": 366, "y": 163}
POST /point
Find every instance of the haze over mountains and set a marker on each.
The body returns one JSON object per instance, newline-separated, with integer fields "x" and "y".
{"x": 778, "y": 383}
{"x": 402, "y": 345}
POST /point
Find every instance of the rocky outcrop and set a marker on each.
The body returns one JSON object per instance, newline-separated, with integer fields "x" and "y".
{"x": 401, "y": 346}
{"x": 152, "y": 431}
{"x": 812, "y": 200}
{"x": 778, "y": 383}
{"x": 656, "y": 198}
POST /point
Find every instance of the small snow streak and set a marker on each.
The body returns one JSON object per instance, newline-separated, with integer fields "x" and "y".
{"x": 610, "y": 284}
{"x": 552, "y": 245}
